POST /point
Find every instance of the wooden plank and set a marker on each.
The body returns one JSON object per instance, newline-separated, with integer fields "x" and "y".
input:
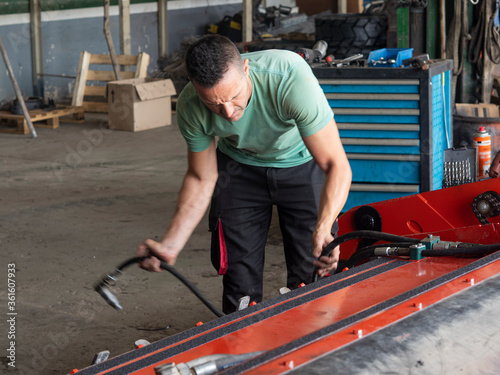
{"x": 40, "y": 114}
{"x": 124, "y": 20}
{"x": 95, "y": 90}
{"x": 36, "y": 116}
{"x": 107, "y": 76}
{"x": 141, "y": 63}
{"x": 109, "y": 41}
{"x": 22, "y": 125}
{"x": 106, "y": 60}
{"x": 52, "y": 123}
{"x": 128, "y": 75}
{"x": 14, "y": 127}
{"x": 101, "y": 107}
{"x": 141, "y": 70}
{"x": 81, "y": 79}
{"x": 101, "y": 75}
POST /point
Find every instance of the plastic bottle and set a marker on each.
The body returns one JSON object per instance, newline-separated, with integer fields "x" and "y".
{"x": 481, "y": 140}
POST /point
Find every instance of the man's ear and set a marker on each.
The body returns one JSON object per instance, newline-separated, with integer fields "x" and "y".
{"x": 245, "y": 66}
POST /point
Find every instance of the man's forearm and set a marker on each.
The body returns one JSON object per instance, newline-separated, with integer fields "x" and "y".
{"x": 194, "y": 199}
{"x": 334, "y": 195}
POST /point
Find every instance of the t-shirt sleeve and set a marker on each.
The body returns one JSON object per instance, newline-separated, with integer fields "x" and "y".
{"x": 191, "y": 127}
{"x": 304, "y": 101}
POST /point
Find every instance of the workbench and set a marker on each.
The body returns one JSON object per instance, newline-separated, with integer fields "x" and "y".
{"x": 394, "y": 124}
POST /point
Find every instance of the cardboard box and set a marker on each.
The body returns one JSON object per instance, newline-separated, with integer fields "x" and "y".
{"x": 477, "y": 110}
{"x": 140, "y": 103}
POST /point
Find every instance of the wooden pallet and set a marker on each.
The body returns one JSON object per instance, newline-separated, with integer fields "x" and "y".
{"x": 40, "y": 118}
{"x": 93, "y": 98}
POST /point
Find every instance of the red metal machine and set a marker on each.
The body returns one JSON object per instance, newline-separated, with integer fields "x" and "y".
{"x": 388, "y": 314}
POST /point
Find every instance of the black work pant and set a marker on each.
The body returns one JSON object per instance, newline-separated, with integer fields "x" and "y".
{"x": 240, "y": 216}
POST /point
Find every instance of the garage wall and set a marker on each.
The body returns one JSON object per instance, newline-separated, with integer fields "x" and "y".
{"x": 68, "y": 27}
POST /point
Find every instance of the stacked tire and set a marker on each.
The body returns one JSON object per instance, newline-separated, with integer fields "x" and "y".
{"x": 350, "y": 34}
{"x": 284, "y": 44}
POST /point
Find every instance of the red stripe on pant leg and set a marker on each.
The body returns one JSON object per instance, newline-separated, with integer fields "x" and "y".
{"x": 223, "y": 251}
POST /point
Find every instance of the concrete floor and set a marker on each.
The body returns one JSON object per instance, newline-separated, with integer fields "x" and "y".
{"x": 75, "y": 203}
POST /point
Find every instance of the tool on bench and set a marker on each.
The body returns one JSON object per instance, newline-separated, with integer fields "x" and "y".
{"x": 346, "y": 61}
{"x": 420, "y": 61}
{"x": 315, "y": 54}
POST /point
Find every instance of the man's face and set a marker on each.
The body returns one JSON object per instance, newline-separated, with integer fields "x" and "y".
{"x": 230, "y": 96}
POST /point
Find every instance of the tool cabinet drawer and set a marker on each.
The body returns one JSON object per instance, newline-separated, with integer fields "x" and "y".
{"x": 367, "y": 193}
{"x": 395, "y": 169}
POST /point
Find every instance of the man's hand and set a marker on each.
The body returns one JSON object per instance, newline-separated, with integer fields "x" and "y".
{"x": 155, "y": 252}
{"x": 325, "y": 264}
{"x": 327, "y": 150}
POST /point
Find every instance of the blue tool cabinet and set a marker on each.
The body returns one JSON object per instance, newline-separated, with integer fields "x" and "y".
{"x": 394, "y": 124}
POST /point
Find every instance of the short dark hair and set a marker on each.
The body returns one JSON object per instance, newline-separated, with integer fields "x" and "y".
{"x": 209, "y": 58}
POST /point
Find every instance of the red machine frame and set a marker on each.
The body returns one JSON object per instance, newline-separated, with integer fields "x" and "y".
{"x": 319, "y": 319}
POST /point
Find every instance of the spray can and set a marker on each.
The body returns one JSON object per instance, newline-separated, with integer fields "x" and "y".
{"x": 481, "y": 140}
{"x": 320, "y": 50}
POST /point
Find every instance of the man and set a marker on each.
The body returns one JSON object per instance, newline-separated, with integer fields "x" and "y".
{"x": 278, "y": 146}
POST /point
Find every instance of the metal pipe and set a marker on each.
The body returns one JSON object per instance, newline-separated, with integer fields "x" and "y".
{"x": 36, "y": 46}
{"x": 162, "y": 28}
{"x": 17, "y": 89}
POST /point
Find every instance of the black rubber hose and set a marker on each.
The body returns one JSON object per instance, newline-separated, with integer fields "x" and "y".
{"x": 367, "y": 252}
{"x": 129, "y": 262}
{"x": 469, "y": 250}
{"x": 366, "y": 235}
{"x": 192, "y": 288}
{"x": 174, "y": 272}
{"x": 358, "y": 235}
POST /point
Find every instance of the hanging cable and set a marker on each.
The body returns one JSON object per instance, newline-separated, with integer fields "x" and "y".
{"x": 493, "y": 38}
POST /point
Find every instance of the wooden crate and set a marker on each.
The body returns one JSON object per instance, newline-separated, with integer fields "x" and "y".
{"x": 39, "y": 117}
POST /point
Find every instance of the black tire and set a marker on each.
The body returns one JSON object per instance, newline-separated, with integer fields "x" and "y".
{"x": 284, "y": 44}
{"x": 352, "y": 30}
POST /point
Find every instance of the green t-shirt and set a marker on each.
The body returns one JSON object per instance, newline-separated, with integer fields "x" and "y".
{"x": 287, "y": 104}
